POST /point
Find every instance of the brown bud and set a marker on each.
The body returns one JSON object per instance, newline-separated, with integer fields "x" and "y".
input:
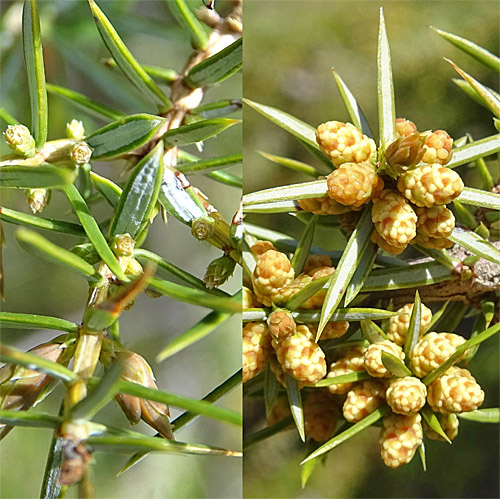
{"x": 22, "y": 388}
{"x": 75, "y": 459}
{"x": 316, "y": 261}
{"x": 155, "y": 414}
{"x": 404, "y": 153}
{"x": 281, "y": 324}
{"x": 260, "y": 247}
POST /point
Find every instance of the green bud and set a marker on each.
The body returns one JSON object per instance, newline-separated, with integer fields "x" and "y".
{"x": 483, "y": 231}
{"x": 219, "y": 271}
{"x": 133, "y": 268}
{"x": 38, "y": 199}
{"x": 202, "y": 228}
{"x": 123, "y": 245}
{"x": 87, "y": 252}
{"x": 75, "y": 130}
{"x": 19, "y": 139}
{"x": 81, "y": 153}
{"x": 471, "y": 260}
{"x": 466, "y": 273}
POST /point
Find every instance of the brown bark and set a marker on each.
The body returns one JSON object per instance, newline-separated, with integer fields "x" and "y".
{"x": 484, "y": 284}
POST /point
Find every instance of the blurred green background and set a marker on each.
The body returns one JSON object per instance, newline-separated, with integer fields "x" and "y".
{"x": 290, "y": 48}
{"x": 73, "y": 50}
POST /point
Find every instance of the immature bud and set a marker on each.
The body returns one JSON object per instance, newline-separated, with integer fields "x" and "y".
{"x": 256, "y": 348}
{"x": 155, "y": 414}
{"x": 400, "y": 438}
{"x": 131, "y": 266}
{"x": 336, "y": 369}
{"x": 249, "y": 300}
{"x": 123, "y": 245}
{"x": 301, "y": 357}
{"x": 87, "y": 252}
{"x": 404, "y": 153}
{"x": 75, "y": 130}
{"x": 432, "y": 350}
{"x": 272, "y": 272}
{"x": 383, "y": 244}
{"x": 281, "y": 324}
{"x": 19, "y": 139}
{"x": 344, "y": 143}
{"x": 317, "y": 299}
{"x": 373, "y": 358}
{"x": 320, "y": 415}
{"x": 431, "y": 242}
{"x": 320, "y": 272}
{"x": 354, "y": 184}
{"x": 405, "y": 127}
{"x": 282, "y": 295}
{"x": 429, "y": 185}
{"x": 355, "y": 358}
{"x": 438, "y": 147}
{"x": 394, "y": 218}
{"x": 449, "y": 424}
{"x": 323, "y": 206}
{"x": 363, "y": 399}
{"x": 316, "y": 261}
{"x": 202, "y": 228}
{"x": 406, "y": 395}
{"x": 219, "y": 271}
{"x": 22, "y": 388}
{"x": 260, "y": 247}
{"x": 398, "y": 324}
{"x": 437, "y": 221}
{"x": 38, "y": 199}
{"x": 352, "y": 361}
{"x": 455, "y": 392}
{"x": 81, "y": 153}
{"x": 334, "y": 329}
